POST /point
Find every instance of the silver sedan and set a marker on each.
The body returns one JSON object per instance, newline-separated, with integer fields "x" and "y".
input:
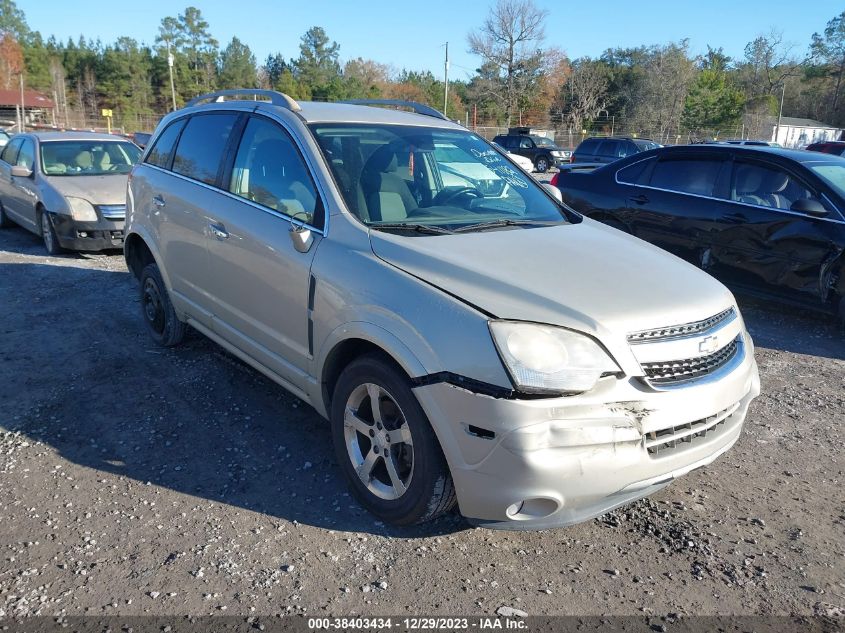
{"x": 67, "y": 187}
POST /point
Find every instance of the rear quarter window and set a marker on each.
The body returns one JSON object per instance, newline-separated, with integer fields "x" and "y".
{"x": 636, "y": 174}
{"x": 162, "y": 151}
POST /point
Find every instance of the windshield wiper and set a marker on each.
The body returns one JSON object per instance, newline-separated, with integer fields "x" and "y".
{"x": 407, "y": 226}
{"x": 494, "y": 224}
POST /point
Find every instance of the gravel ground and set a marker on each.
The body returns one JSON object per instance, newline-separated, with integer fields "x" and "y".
{"x": 135, "y": 480}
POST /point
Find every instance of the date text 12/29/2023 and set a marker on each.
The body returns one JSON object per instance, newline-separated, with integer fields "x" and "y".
{"x": 479, "y": 623}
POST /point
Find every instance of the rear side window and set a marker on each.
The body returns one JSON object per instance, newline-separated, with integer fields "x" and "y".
{"x": 200, "y": 150}
{"x": 163, "y": 149}
{"x": 269, "y": 171}
{"x": 636, "y": 174}
{"x": 686, "y": 175}
{"x": 588, "y": 147}
{"x": 10, "y": 152}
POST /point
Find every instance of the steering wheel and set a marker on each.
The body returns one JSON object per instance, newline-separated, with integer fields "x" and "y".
{"x": 448, "y": 196}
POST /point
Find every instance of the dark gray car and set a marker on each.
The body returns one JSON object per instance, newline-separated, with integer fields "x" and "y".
{"x": 68, "y": 187}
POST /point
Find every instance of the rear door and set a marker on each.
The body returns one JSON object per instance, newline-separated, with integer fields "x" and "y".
{"x": 764, "y": 243}
{"x": 259, "y": 280}
{"x": 181, "y": 194}
{"x": 678, "y": 201}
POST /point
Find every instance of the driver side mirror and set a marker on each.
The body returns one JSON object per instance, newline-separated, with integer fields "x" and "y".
{"x": 300, "y": 234}
{"x": 554, "y": 191}
{"x": 21, "y": 172}
{"x": 810, "y": 206}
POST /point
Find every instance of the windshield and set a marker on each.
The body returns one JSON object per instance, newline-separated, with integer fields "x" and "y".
{"x": 421, "y": 178}
{"x": 88, "y": 158}
{"x": 542, "y": 141}
{"x": 833, "y": 174}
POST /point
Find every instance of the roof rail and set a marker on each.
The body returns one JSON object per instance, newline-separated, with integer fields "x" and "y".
{"x": 276, "y": 98}
{"x": 419, "y": 108}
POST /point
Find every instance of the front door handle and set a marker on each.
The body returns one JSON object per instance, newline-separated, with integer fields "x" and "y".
{"x": 218, "y": 230}
{"x": 158, "y": 201}
{"x": 640, "y": 199}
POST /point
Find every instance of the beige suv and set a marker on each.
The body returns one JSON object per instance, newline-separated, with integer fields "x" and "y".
{"x": 469, "y": 338}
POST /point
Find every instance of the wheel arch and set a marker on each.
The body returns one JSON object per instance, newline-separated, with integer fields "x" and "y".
{"x": 351, "y": 341}
{"x": 138, "y": 252}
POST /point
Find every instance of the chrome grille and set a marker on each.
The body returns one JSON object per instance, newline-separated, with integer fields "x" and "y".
{"x": 677, "y": 371}
{"x": 667, "y": 441}
{"x": 113, "y": 211}
{"x": 678, "y": 331}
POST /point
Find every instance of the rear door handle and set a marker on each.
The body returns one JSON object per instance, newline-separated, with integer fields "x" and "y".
{"x": 640, "y": 199}
{"x": 158, "y": 201}
{"x": 218, "y": 230}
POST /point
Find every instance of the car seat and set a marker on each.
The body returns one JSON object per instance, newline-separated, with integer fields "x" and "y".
{"x": 388, "y": 196}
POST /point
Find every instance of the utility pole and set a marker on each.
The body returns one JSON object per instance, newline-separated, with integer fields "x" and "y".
{"x": 170, "y": 69}
{"x": 446, "y": 80}
{"x": 780, "y": 114}
{"x": 23, "y": 107}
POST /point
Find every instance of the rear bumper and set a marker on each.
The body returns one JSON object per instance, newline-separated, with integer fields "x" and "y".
{"x": 88, "y": 236}
{"x": 551, "y": 463}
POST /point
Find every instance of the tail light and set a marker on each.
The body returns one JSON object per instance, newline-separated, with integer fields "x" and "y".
{"x": 553, "y": 181}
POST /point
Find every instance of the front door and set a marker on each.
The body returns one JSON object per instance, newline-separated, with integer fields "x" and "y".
{"x": 260, "y": 280}
{"x": 766, "y": 245}
{"x": 22, "y": 195}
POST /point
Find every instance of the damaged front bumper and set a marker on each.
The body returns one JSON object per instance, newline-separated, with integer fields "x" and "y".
{"x": 543, "y": 463}
{"x": 100, "y": 235}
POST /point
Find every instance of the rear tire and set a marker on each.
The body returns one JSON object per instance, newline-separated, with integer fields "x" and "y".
{"x": 159, "y": 315}
{"x": 389, "y": 453}
{"x": 48, "y": 234}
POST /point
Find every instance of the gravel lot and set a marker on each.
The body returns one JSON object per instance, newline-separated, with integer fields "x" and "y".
{"x": 135, "y": 480}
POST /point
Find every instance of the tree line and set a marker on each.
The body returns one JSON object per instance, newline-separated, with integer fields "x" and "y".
{"x": 661, "y": 90}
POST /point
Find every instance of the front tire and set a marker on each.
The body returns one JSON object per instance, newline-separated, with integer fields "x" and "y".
{"x": 542, "y": 164}
{"x": 159, "y": 315}
{"x": 5, "y": 220}
{"x": 48, "y": 234}
{"x": 386, "y": 447}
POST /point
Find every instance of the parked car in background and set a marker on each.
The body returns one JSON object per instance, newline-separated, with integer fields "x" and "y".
{"x": 828, "y": 147}
{"x": 479, "y": 343}
{"x": 747, "y": 141}
{"x": 524, "y": 162}
{"x": 4, "y": 138}
{"x": 541, "y": 151}
{"x": 68, "y": 187}
{"x": 609, "y": 149}
{"x": 769, "y": 221}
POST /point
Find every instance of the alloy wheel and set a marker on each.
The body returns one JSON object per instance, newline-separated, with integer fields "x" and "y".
{"x": 378, "y": 441}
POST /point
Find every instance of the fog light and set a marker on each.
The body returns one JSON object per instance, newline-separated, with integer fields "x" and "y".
{"x": 82, "y": 233}
{"x": 536, "y": 508}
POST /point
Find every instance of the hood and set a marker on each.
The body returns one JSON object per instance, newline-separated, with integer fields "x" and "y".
{"x": 585, "y": 276}
{"x": 109, "y": 189}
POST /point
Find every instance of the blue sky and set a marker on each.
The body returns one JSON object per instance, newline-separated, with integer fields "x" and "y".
{"x": 410, "y": 34}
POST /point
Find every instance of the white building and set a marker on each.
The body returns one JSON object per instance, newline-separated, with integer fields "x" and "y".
{"x": 798, "y": 133}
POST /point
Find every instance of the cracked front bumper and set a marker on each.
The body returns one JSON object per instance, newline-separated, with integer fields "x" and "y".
{"x": 543, "y": 463}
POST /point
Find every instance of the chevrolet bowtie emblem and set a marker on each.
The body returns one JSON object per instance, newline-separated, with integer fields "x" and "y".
{"x": 709, "y": 345}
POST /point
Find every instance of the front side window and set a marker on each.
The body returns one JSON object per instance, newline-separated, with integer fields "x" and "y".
{"x": 686, "y": 175}
{"x": 542, "y": 141}
{"x": 162, "y": 151}
{"x": 200, "y": 150}
{"x": 525, "y": 143}
{"x": 269, "y": 171}
{"x": 88, "y": 158}
{"x": 10, "y": 152}
{"x": 26, "y": 156}
{"x": 451, "y": 180}
{"x": 766, "y": 186}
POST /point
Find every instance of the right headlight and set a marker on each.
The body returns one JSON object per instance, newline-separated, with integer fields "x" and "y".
{"x": 81, "y": 210}
{"x": 548, "y": 359}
